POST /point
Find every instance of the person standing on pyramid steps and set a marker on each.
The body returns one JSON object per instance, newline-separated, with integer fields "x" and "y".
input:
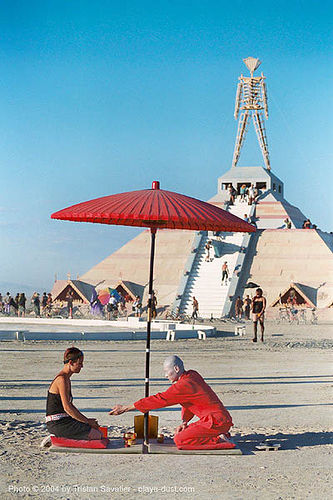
{"x": 225, "y": 273}
{"x": 258, "y": 314}
{"x": 208, "y": 248}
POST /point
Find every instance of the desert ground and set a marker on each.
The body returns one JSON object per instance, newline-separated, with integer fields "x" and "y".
{"x": 280, "y": 390}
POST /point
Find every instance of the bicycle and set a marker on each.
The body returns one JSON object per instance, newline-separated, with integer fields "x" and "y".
{"x": 284, "y": 316}
{"x": 302, "y": 316}
{"x": 314, "y": 317}
{"x": 178, "y": 316}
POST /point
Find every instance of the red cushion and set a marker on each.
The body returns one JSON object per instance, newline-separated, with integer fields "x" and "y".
{"x": 222, "y": 445}
{"x": 79, "y": 443}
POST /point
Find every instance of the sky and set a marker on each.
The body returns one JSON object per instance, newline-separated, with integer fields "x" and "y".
{"x": 103, "y": 97}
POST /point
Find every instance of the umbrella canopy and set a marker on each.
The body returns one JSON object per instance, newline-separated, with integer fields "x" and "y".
{"x": 104, "y": 296}
{"x": 154, "y": 208}
{"x": 115, "y": 294}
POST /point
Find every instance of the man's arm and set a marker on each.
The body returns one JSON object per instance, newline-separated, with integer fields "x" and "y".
{"x": 170, "y": 397}
{"x": 187, "y": 415}
{"x": 173, "y": 395}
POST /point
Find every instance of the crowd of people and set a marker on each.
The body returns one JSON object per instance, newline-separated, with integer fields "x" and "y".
{"x": 246, "y": 194}
{"x": 256, "y": 306}
{"x": 307, "y": 224}
{"x": 44, "y": 306}
{"x": 20, "y": 305}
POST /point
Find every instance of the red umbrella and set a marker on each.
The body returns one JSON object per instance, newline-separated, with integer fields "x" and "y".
{"x": 104, "y": 296}
{"x": 156, "y": 209}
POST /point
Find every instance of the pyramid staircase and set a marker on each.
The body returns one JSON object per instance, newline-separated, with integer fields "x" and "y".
{"x": 204, "y": 279}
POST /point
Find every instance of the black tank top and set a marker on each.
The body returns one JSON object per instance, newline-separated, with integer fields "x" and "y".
{"x": 257, "y": 306}
{"x": 54, "y": 404}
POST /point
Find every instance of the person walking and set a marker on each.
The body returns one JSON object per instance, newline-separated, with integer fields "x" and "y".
{"x": 137, "y": 306}
{"x": 153, "y": 306}
{"x": 247, "y": 308}
{"x": 195, "y": 305}
{"x": 70, "y": 300}
{"x": 7, "y": 301}
{"x": 242, "y": 192}
{"x": 44, "y": 303}
{"x": 21, "y": 305}
{"x": 231, "y": 194}
{"x": 111, "y": 308}
{"x": 36, "y": 304}
{"x": 239, "y": 308}
{"x": 258, "y": 313}
{"x": 49, "y": 303}
{"x": 251, "y": 193}
{"x": 225, "y": 273}
{"x": 16, "y": 304}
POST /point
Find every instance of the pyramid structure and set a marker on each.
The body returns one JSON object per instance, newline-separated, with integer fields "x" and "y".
{"x": 273, "y": 257}
{"x": 131, "y": 263}
{"x": 282, "y": 256}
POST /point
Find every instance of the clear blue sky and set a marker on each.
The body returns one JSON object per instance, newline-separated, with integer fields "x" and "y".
{"x": 103, "y": 97}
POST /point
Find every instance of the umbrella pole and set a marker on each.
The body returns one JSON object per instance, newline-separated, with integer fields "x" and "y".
{"x": 145, "y": 446}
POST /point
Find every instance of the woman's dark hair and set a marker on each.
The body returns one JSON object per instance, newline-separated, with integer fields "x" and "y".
{"x": 72, "y": 354}
{"x": 259, "y": 290}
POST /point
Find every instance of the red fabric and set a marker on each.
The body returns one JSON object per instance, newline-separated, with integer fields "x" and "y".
{"x": 154, "y": 208}
{"x": 197, "y": 399}
{"x": 198, "y": 436}
{"x": 195, "y": 396}
{"x": 79, "y": 443}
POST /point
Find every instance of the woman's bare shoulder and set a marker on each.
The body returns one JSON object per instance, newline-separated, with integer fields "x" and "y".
{"x": 59, "y": 381}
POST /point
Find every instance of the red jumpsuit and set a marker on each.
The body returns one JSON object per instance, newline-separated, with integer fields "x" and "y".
{"x": 196, "y": 399}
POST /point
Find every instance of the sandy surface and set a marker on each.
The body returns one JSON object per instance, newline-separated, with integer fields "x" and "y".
{"x": 279, "y": 390}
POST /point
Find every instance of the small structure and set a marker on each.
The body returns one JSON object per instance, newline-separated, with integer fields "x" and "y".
{"x": 296, "y": 294}
{"x": 82, "y": 292}
{"x": 129, "y": 290}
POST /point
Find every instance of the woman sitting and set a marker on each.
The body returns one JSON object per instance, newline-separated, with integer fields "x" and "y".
{"x": 63, "y": 419}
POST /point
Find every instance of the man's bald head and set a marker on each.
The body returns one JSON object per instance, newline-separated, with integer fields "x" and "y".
{"x": 173, "y": 368}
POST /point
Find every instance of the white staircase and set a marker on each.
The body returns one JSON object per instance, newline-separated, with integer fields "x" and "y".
{"x": 204, "y": 281}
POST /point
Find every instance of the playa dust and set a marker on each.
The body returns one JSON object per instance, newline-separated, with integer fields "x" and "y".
{"x": 280, "y": 390}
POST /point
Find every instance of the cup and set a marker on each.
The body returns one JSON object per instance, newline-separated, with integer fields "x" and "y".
{"x": 129, "y": 439}
{"x": 160, "y": 438}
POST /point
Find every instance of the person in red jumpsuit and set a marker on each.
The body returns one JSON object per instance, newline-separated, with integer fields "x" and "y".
{"x": 197, "y": 399}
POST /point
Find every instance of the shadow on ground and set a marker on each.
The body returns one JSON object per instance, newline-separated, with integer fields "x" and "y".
{"x": 249, "y": 442}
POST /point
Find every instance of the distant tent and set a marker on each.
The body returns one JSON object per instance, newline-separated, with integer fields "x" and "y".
{"x": 299, "y": 294}
{"x": 82, "y": 292}
{"x": 129, "y": 290}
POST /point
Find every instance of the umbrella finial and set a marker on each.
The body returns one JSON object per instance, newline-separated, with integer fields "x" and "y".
{"x": 155, "y": 185}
